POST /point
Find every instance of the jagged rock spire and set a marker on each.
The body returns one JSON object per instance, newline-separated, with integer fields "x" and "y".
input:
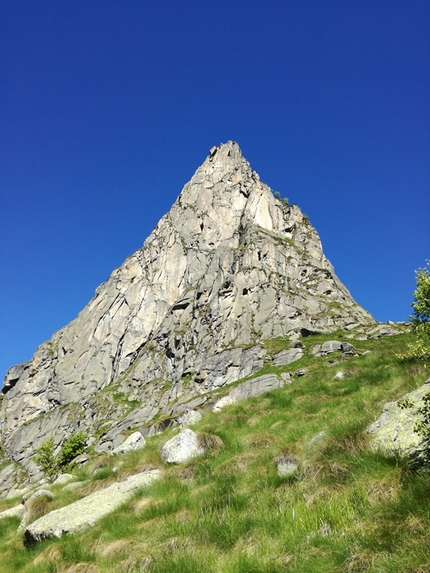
{"x": 228, "y": 266}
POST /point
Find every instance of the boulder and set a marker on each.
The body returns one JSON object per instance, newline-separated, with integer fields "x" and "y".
{"x": 301, "y": 372}
{"x": 223, "y": 402}
{"x": 87, "y": 511}
{"x": 287, "y": 356}
{"x": 340, "y": 375}
{"x": 46, "y": 493}
{"x": 182, "y": 448}
{"x": 75, "y": 485}
{"x": 188, "y": 418}
{"x": 15, "y": 511}
{"x": 330, "y": 346}
{"x": 134, "y": 442}
{"x": 348, "y": 349}
{"x": 394, "y": 431}
{"x": 63, "y": 479}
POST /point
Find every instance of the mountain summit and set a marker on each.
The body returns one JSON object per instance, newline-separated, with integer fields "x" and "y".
{"x": 228, "y": 267}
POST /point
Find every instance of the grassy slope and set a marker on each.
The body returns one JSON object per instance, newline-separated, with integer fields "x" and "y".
{"x": 346, "y": 510}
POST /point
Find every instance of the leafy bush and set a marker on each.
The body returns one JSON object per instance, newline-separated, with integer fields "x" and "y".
{"x": 45, "y": 459}
{"x": 52, "y": 465}
{"x": 420, "y": 349}
{"x": 72, "y": 447}
{"x": 421, "y": 304}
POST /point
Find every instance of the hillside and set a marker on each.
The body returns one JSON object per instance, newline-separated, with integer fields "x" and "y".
{"x": 217, "y": 407}
{"x": 342, "y": 508}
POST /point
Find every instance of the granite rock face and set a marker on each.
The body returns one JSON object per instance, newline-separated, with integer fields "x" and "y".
{"x": 229, "y": 266}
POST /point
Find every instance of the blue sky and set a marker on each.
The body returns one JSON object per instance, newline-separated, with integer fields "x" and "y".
{"x": 108, "y": 107}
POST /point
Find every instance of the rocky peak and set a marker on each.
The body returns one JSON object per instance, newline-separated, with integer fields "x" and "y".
{"x": 229, "y": 266}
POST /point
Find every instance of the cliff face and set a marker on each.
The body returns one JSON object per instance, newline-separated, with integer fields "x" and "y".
{"x": 229, "y": 266}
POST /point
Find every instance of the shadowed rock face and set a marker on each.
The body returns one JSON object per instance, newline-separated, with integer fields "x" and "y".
{"x": 228, "y": 266}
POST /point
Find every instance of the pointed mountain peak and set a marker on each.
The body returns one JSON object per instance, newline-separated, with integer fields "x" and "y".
{"x": 228, "y": 267}
{"x": 227, "y": 150}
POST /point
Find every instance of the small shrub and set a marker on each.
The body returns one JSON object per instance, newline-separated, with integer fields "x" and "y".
{"x": 420, "y": 349}
{"x": 72, "y": 447}
{"x": 52, "y": 465}
{"x": 45, "y": 459}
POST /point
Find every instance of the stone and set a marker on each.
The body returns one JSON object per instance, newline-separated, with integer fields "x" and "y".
{"x": 393, "y": 432}
{"x": 222, "y": 403}
{"x": 339, "y": 375}
{"x": 134, "y": 442}
{"x": 75, "y": 485}
{"x": 16, "y": 511}
{"x": 301, "y": 372}
{"x": 182, "y": 448}
{"x": 19, "y": 492}
{"x": 330, "y": 346}
{"x": 188, "y": 418}
{"x": 87, "y": 511}
{"x": 46, "y": 493}
{"x": 287, "y": 356}
{"x": 228, "y": 267}
{"x": 348, "y": 349}
{"x": 63, "y": 479}
{"x": 285, "y": 377}
{"x": 296, "y": 344}
{"x": 287, "y": 464}
{"x": 383, "y": 330}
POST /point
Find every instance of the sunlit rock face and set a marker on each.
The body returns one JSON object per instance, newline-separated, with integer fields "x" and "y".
{"x": 229, "y": 266}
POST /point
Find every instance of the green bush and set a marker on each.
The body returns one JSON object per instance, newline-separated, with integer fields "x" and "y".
{"x": 72, "y": 447}
{"x": 420, "y": 348}
{"x": 52, "y": 465}
{"x": 45, "y": 459}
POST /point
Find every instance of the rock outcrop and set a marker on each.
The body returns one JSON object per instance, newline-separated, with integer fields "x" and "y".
{"x": 229, "y": 266}
{"x": 87, "y": 511}
{"x": 394, "y": 431}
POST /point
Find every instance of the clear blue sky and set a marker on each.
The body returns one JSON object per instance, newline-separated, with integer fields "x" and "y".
{"x": 108, "y": 107}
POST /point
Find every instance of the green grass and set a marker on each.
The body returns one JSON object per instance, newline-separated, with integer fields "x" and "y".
{"x": 347, "y": 509}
